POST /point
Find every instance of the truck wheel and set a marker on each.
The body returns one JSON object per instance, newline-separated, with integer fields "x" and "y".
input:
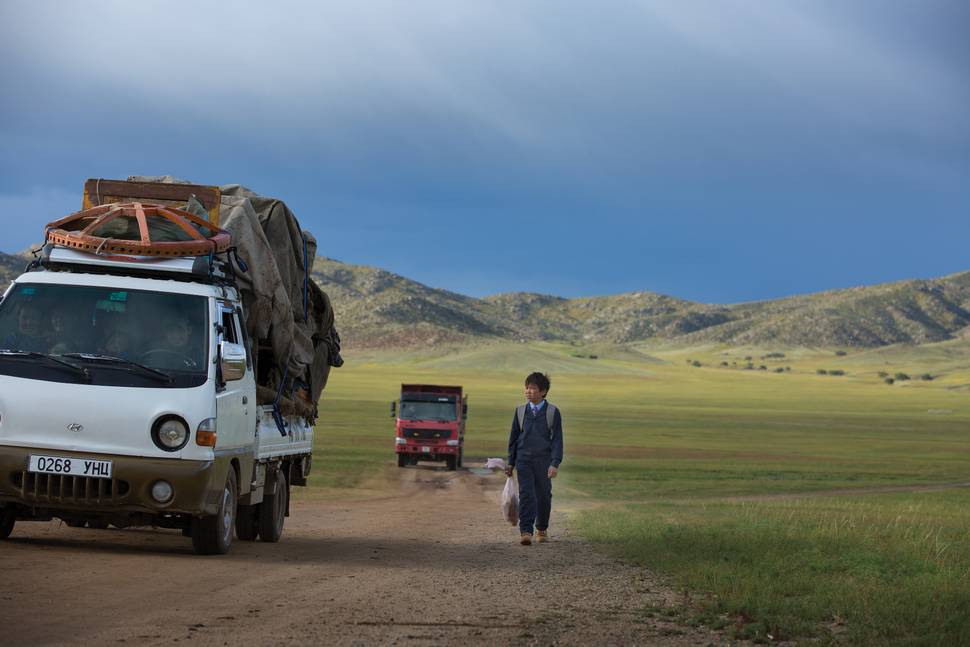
{"x": 402, "y": 460}
{"x": 247, "y": 522}
{"x": 461, "y": 457}
{"x": 272, "y": 511}
{"x": 452, "y": 462}
{"x": 8, "y": 517}
{"x": 213, "y": 535}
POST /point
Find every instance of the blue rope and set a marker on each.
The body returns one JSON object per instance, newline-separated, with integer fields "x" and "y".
{"x": 277, "y": 414}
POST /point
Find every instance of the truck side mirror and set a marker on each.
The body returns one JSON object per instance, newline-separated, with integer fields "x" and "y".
{"x": 394, "y": 408}
{"x": 232, "y": 358}
{"x": 464, "y": 410}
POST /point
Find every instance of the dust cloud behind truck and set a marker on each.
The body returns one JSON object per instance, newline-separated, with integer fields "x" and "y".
{"x": 430, "y": 424}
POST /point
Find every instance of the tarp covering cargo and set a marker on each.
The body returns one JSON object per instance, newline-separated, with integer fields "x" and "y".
{"x": 287, "y": 314}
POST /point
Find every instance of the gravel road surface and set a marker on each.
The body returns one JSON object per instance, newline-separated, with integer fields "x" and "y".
{"x": 432, "y": 563}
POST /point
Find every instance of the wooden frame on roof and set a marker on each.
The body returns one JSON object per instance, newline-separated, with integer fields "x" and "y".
{"x": 98, "y": 192}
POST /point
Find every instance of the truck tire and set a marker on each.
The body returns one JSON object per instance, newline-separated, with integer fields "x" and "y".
{"x": 272, "y": 511}
{"x": 461, "y": 457}
{"x": 8, "y": 518}
{"x": 247, "y": 522}
{"x": 402, "y": 460}
{"x": 452, "y": 462}
{"x": 213, "y": 535}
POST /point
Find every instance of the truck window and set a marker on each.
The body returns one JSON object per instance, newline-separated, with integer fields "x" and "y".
{"x": 229, "y": 332}
{"x": 107, "y": 331}
{"x": 425, "y": 407}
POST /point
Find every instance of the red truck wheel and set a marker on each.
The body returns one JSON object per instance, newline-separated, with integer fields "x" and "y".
{"x": 402, "y": 460}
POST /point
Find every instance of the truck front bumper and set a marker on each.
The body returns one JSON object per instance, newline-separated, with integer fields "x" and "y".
{"x": 440, "y": 450}
{"x": 197, "y": 485}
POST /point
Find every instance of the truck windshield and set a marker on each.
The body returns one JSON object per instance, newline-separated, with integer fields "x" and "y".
{"x": 122, "y": 337}
{"x": 412, "y": 410}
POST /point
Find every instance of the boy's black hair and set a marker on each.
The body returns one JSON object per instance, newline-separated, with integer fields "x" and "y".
{"x": 540, "y": 380}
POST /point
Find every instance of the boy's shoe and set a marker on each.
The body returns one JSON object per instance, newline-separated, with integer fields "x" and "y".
{"x": 526, "y": 539}
{"x": 541, "y": 536}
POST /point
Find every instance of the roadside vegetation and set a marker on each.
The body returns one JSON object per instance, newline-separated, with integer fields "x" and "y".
{"x": 781, "y": 505}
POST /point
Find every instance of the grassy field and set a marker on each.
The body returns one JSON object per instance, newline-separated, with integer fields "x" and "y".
{"x": 771, "y": 498}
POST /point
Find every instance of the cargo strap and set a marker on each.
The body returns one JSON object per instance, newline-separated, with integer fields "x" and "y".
{"x": 550, "y": 416}
{"x": 306, "y": 281}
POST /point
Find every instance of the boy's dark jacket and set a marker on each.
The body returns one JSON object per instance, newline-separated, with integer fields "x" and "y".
{"x": 533, "y": 439}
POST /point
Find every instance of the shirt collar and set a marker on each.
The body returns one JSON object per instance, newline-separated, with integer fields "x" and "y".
{"x": 537, "y": 407}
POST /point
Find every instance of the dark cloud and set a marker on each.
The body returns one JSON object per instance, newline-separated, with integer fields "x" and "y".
{"x": 650, "y": 145}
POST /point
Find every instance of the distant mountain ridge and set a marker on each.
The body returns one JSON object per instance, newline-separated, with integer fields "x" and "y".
{"x": 11, "y": 265}
{"x": 376, "y": 308}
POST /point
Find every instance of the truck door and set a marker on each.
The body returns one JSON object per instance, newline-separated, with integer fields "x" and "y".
{"x": 236, "y": 399}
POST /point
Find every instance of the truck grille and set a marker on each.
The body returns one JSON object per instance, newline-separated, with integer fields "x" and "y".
{"x": 59, "y": 488}
{"x": 426, "y": 434}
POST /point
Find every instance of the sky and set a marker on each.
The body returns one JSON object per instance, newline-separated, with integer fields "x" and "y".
{"x": 721, "y": 151}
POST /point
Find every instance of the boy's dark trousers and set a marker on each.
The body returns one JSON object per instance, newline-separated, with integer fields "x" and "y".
{"x": 535, "y": 493}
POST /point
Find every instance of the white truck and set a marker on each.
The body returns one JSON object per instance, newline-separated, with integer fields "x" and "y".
{"x": 128, "y": 396}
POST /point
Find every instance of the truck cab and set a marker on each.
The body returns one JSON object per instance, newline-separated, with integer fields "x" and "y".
{"x": 430, "y": 424}
{"x": 128, "y": 396}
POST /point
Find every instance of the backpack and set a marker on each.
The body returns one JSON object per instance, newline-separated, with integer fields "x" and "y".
{"x": 550, "y": 416}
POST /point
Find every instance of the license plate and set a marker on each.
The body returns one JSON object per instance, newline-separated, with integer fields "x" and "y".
{"x": 69, "y": 465}
{"x": 426, "y": 450}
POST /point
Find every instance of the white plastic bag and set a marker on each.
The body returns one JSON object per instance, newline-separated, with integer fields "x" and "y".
{"x": 495, "y": 463}
{"x": 510, "y": 501}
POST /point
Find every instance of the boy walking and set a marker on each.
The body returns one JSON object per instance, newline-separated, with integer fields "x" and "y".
{"x": 535, "y": 450}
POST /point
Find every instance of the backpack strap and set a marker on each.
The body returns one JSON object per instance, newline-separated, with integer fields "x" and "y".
{"x": 520, "y": 414}
{"x": 550, "y": 417}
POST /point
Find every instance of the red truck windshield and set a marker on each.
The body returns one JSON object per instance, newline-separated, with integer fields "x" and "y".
{"x": 417, "y": 410}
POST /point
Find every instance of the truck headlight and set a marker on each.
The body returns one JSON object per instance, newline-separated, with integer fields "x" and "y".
{"x": 452, "y": 443}
{"x": 170, "y": 433}
{"x": 401, "y": 441}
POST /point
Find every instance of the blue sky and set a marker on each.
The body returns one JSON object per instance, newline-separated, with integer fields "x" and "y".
{"x": 719, "y": 151}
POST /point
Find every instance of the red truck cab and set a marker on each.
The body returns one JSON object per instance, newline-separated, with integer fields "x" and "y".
{"x": 430, "y": 424}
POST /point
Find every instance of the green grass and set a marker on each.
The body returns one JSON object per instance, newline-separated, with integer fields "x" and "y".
{"x": 887, "y": 569}
{"x": 663, "y": 459}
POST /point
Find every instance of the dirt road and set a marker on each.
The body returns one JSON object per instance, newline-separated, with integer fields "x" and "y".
{"x": 432, "y": 564}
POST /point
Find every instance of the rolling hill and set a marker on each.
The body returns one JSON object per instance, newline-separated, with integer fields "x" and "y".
{"x": 10, "y": 266}
{"x": 376, "y": 309}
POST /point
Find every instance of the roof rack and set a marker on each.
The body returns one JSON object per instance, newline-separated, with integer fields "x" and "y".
{"x": 215, "y": 269}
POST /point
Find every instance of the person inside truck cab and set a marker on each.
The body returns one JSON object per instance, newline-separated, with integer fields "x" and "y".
{"x": 30, "y": 334}
{"x": 172, "y": 347}
{"x": 177, "y": 333}
{"x": 116, "y": 341}
{"x": 64, "y": 337}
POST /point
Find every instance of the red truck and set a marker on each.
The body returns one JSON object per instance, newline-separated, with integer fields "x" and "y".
{"x": 430, "y": 424}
